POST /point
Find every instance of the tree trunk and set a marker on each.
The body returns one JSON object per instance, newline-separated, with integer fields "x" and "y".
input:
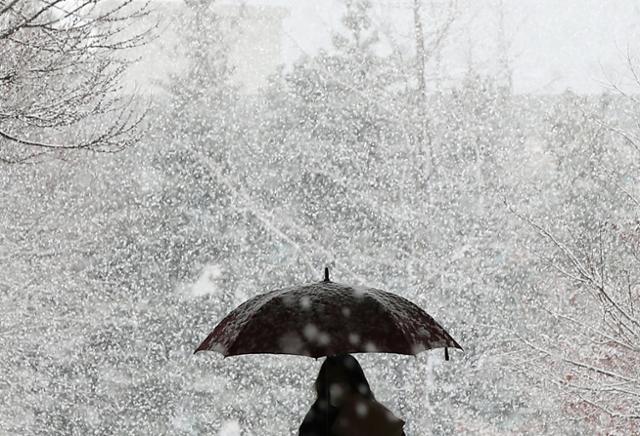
{"x": 424, "y": 170}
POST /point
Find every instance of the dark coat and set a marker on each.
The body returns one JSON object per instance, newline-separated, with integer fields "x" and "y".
{"x": 322, "y": 422}
{"x": 318, "y": 421}
{"x": 345, "y": 371}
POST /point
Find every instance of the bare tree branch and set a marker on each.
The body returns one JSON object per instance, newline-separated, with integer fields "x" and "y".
{"x": 61, "y": 76}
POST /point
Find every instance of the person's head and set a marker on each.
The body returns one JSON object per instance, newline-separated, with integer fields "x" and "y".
{"x": 339, "y": 375}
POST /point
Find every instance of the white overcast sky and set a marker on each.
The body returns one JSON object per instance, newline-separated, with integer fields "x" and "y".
{"x": 556, "y": 44}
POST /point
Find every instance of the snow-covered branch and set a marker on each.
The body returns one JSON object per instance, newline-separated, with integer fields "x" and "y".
{"x": 60, "y": 76}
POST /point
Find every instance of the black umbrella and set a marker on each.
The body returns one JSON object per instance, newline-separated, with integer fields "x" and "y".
{"x": 327, "y": 318}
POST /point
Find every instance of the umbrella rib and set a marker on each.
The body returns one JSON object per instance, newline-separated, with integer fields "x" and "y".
{"x": 445, "y": 333}
{"x": 391, "y": 315}
{"x": 267, "y": 298}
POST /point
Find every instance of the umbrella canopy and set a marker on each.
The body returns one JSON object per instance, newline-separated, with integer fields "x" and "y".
{"x": 327, "y": 318}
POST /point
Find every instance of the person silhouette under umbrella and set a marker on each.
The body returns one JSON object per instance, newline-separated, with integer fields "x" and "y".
{"x": 332, "y": 319}
{"x": 345, "y": 405}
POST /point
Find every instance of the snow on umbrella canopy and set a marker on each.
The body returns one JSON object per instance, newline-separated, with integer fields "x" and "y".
{"x": 324, "y": 319}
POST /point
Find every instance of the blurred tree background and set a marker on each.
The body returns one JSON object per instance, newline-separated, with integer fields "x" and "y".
{"x": 512, "y": 219}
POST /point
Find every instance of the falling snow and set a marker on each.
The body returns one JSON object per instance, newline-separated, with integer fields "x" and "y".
{"x": 163, "y": 164}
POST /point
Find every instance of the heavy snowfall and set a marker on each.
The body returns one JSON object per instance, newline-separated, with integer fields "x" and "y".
{"x": 162, "y": 162}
